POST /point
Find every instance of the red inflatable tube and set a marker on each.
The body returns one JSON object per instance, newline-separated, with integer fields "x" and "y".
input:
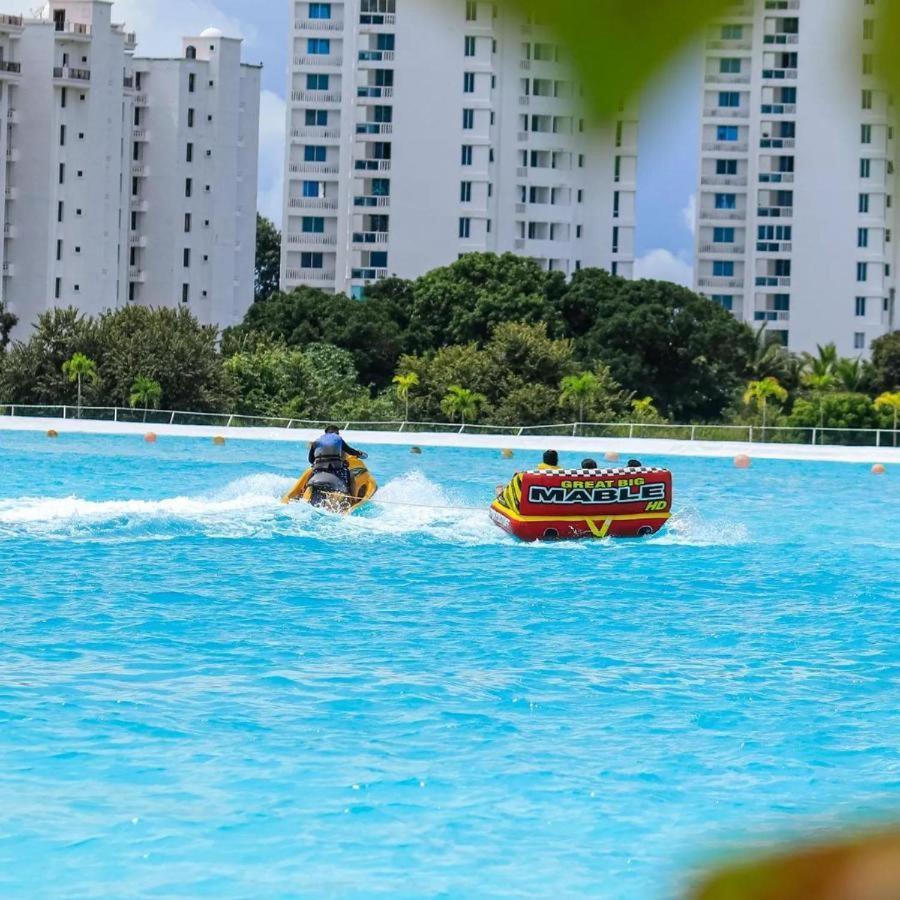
{"x": 585, "y": 503}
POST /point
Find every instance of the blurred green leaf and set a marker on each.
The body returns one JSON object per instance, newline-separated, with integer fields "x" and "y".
{"x": 864, "y": 868}
{"x": 616, "y": 47}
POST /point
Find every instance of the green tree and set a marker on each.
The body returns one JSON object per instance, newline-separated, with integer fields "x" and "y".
{"x": 837, "y": 409}
{"x": 403, "y": 385}
{"x": 145, "y": 394}
{"x": 462, "y": 402}
{"x": 268, "y": 258}
{"x": 886, "y": 362}
{"x": 660, "y": 340}
{"x": 577, "y": 390}
{"x": 78, "y": 369}
{"x": 889, "y": 402}
{"x": 817, "y": 386}
{"x": 824, "y": 362}
{"x": 8, "y": 321}
{"x": 644, "y": 411}
{"x": 851, "y": 375}
{"x": 761, "y": 392}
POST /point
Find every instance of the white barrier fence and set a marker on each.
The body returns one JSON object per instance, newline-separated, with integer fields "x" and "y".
{"x": 863, "y": 437}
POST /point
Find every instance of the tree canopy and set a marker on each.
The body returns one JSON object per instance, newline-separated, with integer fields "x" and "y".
{"x": 268, "y": 259}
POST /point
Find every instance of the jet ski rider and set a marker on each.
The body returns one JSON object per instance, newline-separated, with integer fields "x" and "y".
{"x": 330, "y": 453}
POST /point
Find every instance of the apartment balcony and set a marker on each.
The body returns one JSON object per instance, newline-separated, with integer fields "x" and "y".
{"x": 739, "y": 9}
{"x": 716, "y": 281}
{"x": 376, "y": 21}
{"x": 771, "y": 315}
{"x": 368, "y": 274}
{"x": 368, "y": 238}
{"x": 722, "y": 249}
{"x": 371, "y": 202}
{"x": 307, "y": 276}
{"x": 316, "y": 96}
{"x": 319, "y": 25}
{"x": 776, "y": 177}
{"x": 372, "y": 165}
{"x": 140, "y": 134}
{"x": 724, "y": 180}
{"x": 323, "y": 61}
{"x": 80, "y": 77}
{"x": 311, "y": 239}
{"x": 773, "y": 281}
{"x": 141, "y": 100}
{"x": 73, "y": 31}
{"x": 137, "y": 240}
{"x": 725, "y": 146}
{"x": 10, "y": 71}
{"x": 313, "y": 203}
{"x": 779, "y": 74}
{"x": 139, "y": 170}
{"x": 9, "y": 269}
{"x": 777, "y": 143}
{"x": 374, "y": 92}
{"x": 780, "y": 39}
{"x": 374, "y": 128}
{"x": 726, "y": 112}
{"x": 9, "y": 231}
{"x": 319, "y": 134}
{"x": 12, "y": 116}
{"x": 139, "y": 205}
{"x": 11, "y": 24}
{"x": 728, "y": 77}
{"x": 376, "y": 56}
{"x": 773, "y": 246}
{"x": 128, "y": 82}
{"x": 130, "y": 40}
{"x": 137, "y": 274}
{"x": 314, "y": 168}
{"x": 782, "y": 4}
{"x": 779, "y": 109}
{"x": 720, "y": 44}
{"x": 11, "y": 193}
{"x": 723, "y": 215}
{"x": 775, "y": 212}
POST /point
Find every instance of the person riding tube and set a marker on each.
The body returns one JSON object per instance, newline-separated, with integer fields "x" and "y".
{"x": 550, "y": 462}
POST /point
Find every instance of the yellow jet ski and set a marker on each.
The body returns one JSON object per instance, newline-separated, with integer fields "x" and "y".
{"x": 324, "y": 489}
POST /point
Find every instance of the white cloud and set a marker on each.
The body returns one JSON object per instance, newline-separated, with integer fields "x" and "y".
{"x": 690, "y": 214}
{"x": 271, "y": 155}
{"x": 663, "y": 265}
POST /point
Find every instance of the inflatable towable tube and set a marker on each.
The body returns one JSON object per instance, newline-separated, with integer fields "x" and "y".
{"x": 582, "y": 503}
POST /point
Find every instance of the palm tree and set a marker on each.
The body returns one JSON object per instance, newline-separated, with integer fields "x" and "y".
{"x": 576, "y": 390}
{"x": 824, "y": 363}
{"x": 146, "y": 394}
{"x": 769, "y": 357}
{"x": 462, "y": 401}
{"x": 77, "y": 369}
{"x": 404, "y": 384}
{"x": 761, "y": 392}
{"x": 817, "y": 386}
{"x": 850, "y": 374}
{"x": 889, "y": 400}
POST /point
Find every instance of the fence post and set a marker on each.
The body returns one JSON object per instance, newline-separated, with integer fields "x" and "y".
{"x": 878, "y": 438}
{"x": 574, "y": 429}
{"x": 230, "y": 420}
{"x": 751, "y": 433}
{"x": 693, "y": 431}
{"x": 172, "y": 418}
{"x": 402, "y": 426}
{"x": 630, "y": 431}
{"x": 64, "y": 414}
{"x": 814, "y": 436}
{"x": 462, "y": 428}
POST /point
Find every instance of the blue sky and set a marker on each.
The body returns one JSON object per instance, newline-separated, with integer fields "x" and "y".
{"x": 670, "y": 115}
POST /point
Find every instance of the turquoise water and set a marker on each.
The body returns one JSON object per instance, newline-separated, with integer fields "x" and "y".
{"x": 204, "y": 693}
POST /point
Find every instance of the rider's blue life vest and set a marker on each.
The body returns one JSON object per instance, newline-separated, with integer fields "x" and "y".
{"x": 331, "y": 442}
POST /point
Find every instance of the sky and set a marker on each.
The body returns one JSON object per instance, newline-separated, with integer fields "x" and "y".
{"x": 668, "y": 141}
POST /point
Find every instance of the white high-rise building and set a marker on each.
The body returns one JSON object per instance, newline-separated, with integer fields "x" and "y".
{"x": 796, "y": 217}
{"x": 127, "y": 180}
{"x": 420, "y": 130}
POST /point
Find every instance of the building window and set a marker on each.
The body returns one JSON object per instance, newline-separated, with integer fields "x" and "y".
{"x": 724, "y": 300}
{"x": 315, "y": 153}
{"x": 726, "y": 133}
{"x": 190, "y": 118}
{"x": 185, "y": 293}
{"x": 862, "y": 237}
{"x": 859, "y": 340}
{"x": 469, "y": 46}
{"x": 189, "y": 153}
{"x": 860, "y": 307}
{"x": 187, "y": 223}
{"x": 868, "y": 64}
{"x": 318, "y": 46}
{"x": 313, "y": 225}
{"x": 312, "y": 188}
{"x": 311, "y": 260}
{"x": 862, "y": 271}
{"x": 59, "y": 211}
{"x": 730, "y": 66}
{"x": 465, "y": 227}
{"x": 726, "y": 201}
{"x": 186, "y": 257}
{"x": 723, "y": 268}
{"x": 729, "y": 99}
{"x": 865, "y": 168}
{"x": 188, "y": 187}
{"x": 867, "y": 99}
{"x": 467, "y": 155}
{"x": 723, "y": 235}
{"x": 465, "y": 192}
{"x": 316, "y": 82}
{"x": 866, "y": 134}
{"x": 317, "y": 118}
{"x": 57, "y": 289}
{"x": 320, "y": 10}
{"x": 468, "y": 82}
{"x": 468, "y": 119}
{"x": 868, "y": 29}
{"x": 863, "y": 203}
{"x": 471, "y": 10}
{"x": 62, "y": 173}
{"x": 192, "y": 82}
{"x": 726, "y": 167}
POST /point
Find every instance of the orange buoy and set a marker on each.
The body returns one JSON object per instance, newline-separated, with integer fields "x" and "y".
{"x": 879, "y": 469}
{"x": 611, "y": 456}
{"x": 150, "y": 437}
{"x": 742, "y": 461}
{"x": 52, "y": 433}
{"x": 219, "y": 441}
{"x": 506, "y": 453}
